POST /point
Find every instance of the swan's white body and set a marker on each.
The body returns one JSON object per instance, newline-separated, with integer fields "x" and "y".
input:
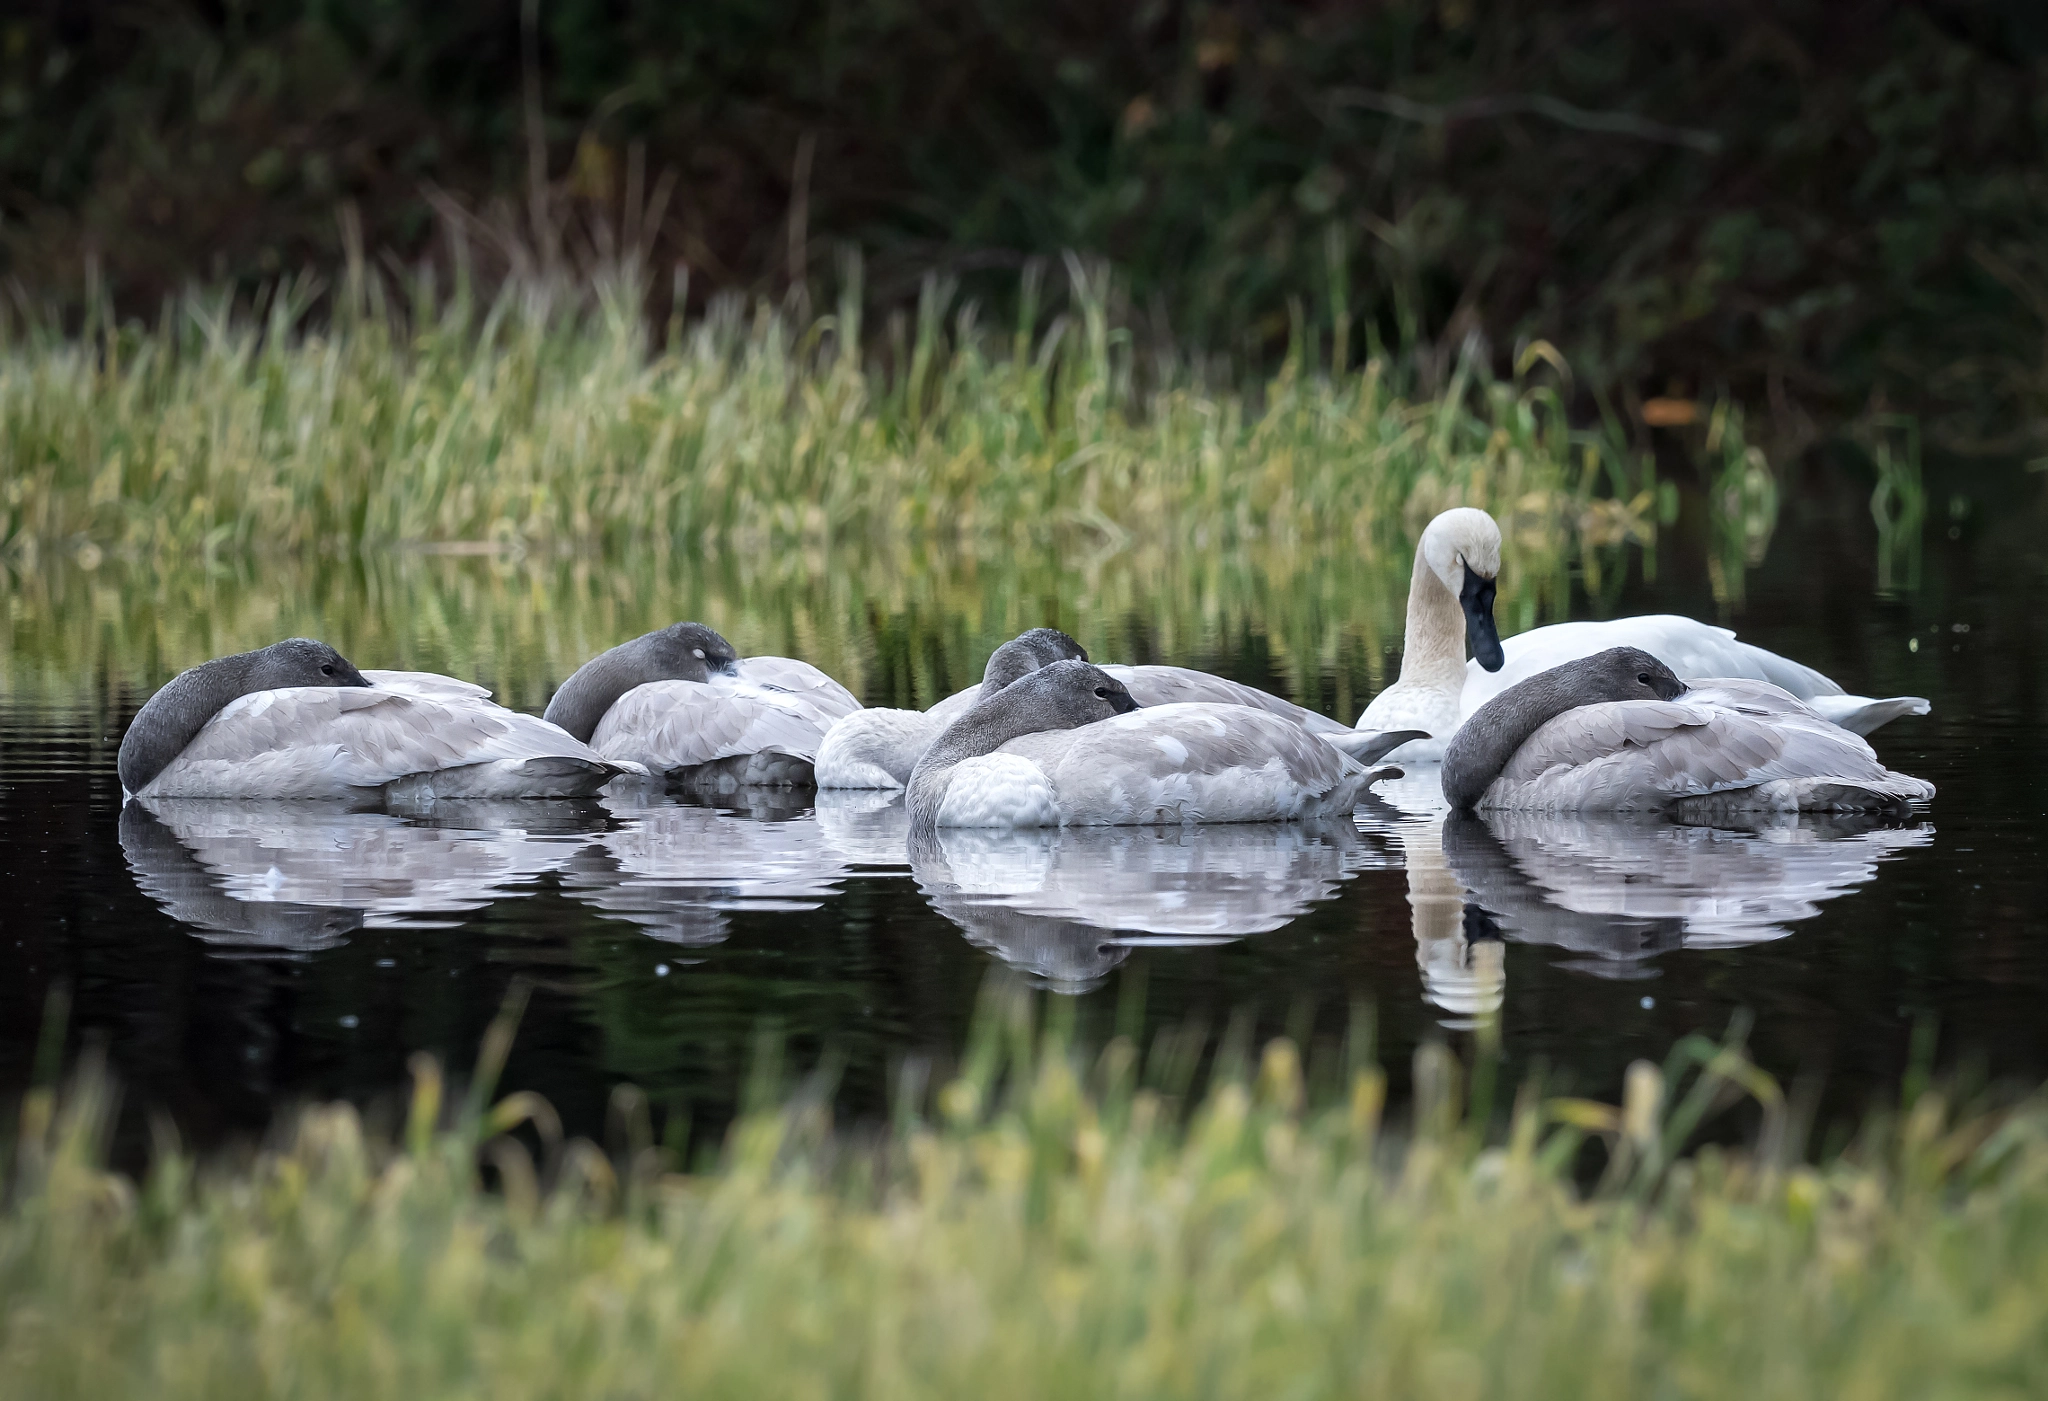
{"x": 762, "y": 726}
{"x": 415, "y": 735}
{"x": 1160, "y": 764}
{"x": 1726, "y": 746}
{"x": 1439, "y": 689}
{"x": 877, "y": 748}
{"x": 1694, "y": 650}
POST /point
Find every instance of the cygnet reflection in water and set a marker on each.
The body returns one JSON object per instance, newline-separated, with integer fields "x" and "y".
{"x": 1620, "y": 890}
{"x": 297, "y": 877}
{"x": 1068, "y": 904}
{"x": 678, "y": 869}
{"x": 866, "y": 826}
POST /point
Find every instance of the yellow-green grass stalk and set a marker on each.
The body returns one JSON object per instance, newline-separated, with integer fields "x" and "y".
{"x": 1046, "y": 1224}
{"x": 559, "y": 423}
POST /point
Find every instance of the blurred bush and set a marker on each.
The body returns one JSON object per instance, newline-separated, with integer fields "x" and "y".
{"x": 1829, "y": 208}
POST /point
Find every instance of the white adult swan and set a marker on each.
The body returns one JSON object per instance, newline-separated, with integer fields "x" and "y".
{"x": 1619, "y": 732}
{"x": 1456, "y": 564}
{"x": 878, "y": 747}
{"x": 680, "y": 701}
{"x": 297, "y": 720}
{"x": 1065, "y": 745}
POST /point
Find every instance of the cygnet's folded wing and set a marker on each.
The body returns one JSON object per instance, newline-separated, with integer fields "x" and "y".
{"x": 669, "y": 725}
{"x": 1722, "y": 737}
{"x": 430, "y": 684}
{"x": 1172, "y": 685}
{"x": 875, "y": 748}
{"x": 1190, "y": 763}
{"x": 322, "y": 741}
{"x": 827, "y": 697}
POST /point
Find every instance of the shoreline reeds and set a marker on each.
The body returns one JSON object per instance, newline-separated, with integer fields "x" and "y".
{"x": 553, "y": 420}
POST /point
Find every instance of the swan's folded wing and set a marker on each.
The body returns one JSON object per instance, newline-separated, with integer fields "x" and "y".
{"x": 1189, "y": 762}
{"x": 669, "y": 725}
{"x": 830, "y": 699}
{"x": 309, "y": 741}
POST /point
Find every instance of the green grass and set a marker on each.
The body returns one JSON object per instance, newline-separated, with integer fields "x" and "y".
{"x": 224, "y": 478}
{"x": 1048, "y": 1224}
{"x": 551, "y": 420}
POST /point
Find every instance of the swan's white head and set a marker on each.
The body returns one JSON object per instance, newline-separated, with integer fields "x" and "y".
{"x": 1464, "y": 538}
{"x": 1462, "y": 548}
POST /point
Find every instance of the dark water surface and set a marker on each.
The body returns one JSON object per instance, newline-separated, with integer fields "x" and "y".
{"x": 237, "y": 958}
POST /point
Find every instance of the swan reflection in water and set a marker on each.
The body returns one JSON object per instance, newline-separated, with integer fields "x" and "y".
{"x": 297, "y": 877}
{"x": 1069, "y": 904}
{"x": 1618, "y": 891}
{"x": 679, "y": 870}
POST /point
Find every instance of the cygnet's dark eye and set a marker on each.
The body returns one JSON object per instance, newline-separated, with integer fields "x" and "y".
{"x": 327, "y": 668}
{"x": 1102, "y": 691}
{"x": 1644, "y": 677}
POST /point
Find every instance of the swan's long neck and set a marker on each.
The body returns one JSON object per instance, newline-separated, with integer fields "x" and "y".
{"x": 1486, "y": 742}
{"x": 169, "y": 719}
{"x": 1433, "y": 644}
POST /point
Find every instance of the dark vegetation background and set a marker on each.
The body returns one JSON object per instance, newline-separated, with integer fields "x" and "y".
{"x": 1827, "y": 209}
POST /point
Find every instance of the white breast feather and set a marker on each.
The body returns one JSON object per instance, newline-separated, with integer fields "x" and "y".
{"x": 999, "y": 790}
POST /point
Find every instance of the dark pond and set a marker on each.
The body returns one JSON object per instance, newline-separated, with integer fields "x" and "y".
{"x": 235, "y": 960}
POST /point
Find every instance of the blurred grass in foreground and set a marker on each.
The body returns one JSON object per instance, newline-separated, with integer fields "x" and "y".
{"x": 549, "y": 419}
{"x": 1048, "y": 1225}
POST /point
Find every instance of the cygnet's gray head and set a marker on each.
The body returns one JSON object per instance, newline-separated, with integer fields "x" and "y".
{"x": 1064, "y": 695}
{"x": 1486, "y": 742}
{"x": 1026, "y": 653}
{"x": 170, "y": 718}
{"x": 679, "y": 652}
{"x": 1617, "y": 674}
{"x": 298, "y": 661}
{"x": 688, "y": 652}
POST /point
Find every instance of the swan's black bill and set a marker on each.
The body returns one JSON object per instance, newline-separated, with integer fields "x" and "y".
{"x": 1481, "y": 637}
